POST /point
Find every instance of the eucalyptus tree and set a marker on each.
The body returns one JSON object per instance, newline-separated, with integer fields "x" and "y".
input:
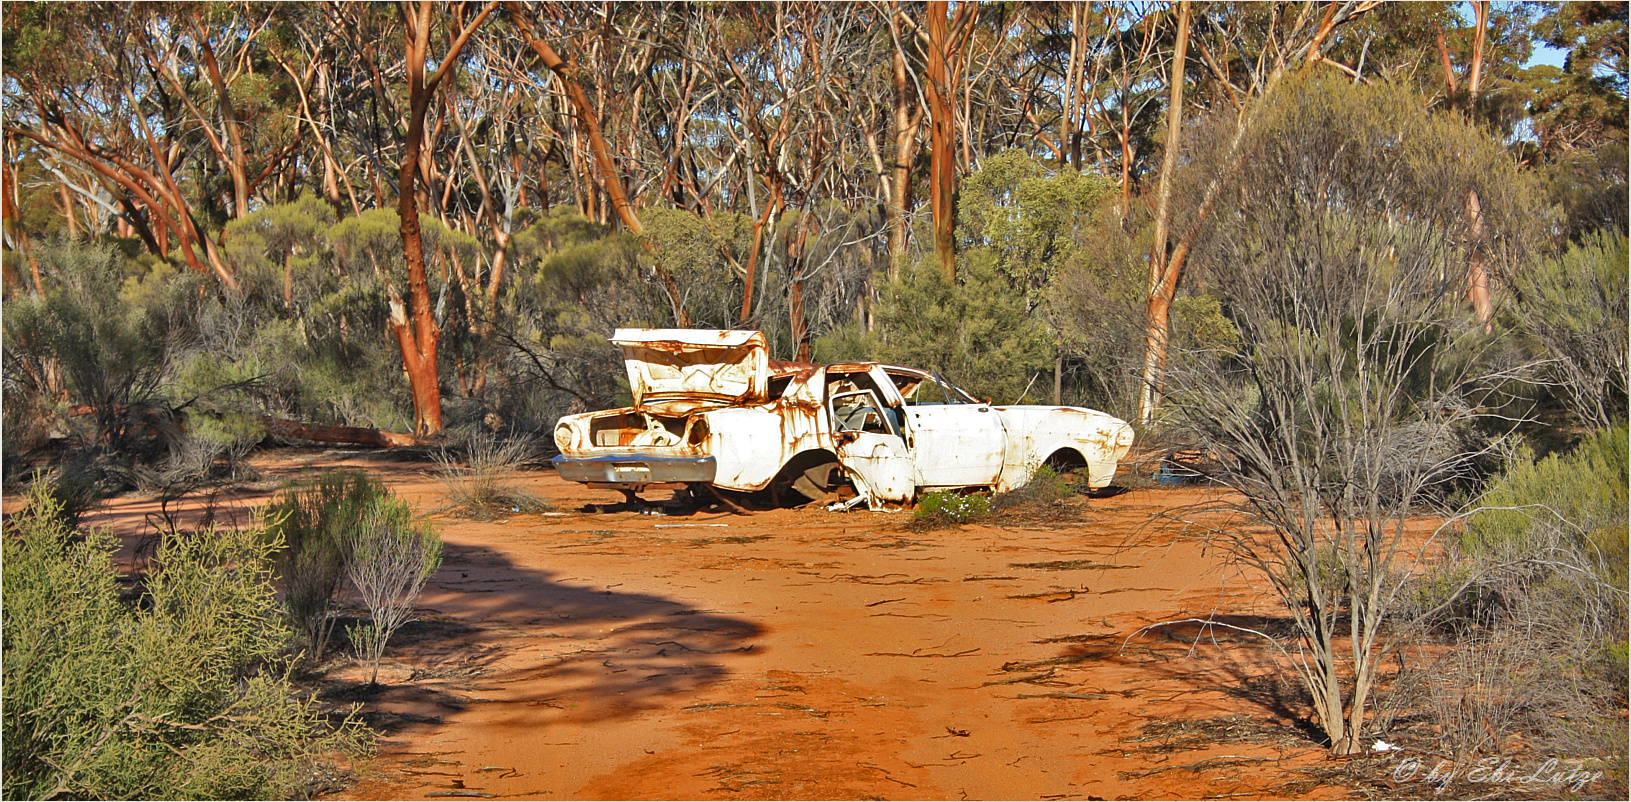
{"x": 1295, "y": 44}
{"x": 418, "y": 340}
{"x": 78, "y": 85}
{"x": 570, "y": 74}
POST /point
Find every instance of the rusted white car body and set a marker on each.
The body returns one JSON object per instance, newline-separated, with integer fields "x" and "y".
{"x": 710, "y": 408}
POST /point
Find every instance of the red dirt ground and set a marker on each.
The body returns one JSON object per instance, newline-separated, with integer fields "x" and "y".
{"x": 806, "y": 654}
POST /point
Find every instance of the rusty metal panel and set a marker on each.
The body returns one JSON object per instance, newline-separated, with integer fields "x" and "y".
{"x": 959, "y": 445}
{"x": 880, "y": 467}
{"x": 683, "y": 369}
{"x": 748, "y": 446}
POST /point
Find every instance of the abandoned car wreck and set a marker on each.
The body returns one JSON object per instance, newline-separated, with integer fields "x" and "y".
{"x": 711, "y": 410}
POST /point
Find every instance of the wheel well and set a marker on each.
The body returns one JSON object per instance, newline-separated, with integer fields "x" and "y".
{"x": 809, "y": 475}
{"x": 1065, "y": 459}
{"x": 803, "y": 461}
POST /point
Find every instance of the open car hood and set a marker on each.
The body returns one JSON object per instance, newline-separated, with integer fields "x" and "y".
{"x": 678, "y": 371}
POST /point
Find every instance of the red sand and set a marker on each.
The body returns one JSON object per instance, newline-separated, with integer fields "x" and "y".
{"x": 805, "y": 654}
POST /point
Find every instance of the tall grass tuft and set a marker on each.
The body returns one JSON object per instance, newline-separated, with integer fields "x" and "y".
{"x": 482, "y": 486}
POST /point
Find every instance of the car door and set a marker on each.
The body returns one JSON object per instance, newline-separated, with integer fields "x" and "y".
{"x": 870, "y": 448}
{"x": 957, "y": 441}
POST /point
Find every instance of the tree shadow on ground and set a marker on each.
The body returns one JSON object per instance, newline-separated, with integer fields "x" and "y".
{"x": 543, "y": 648}
{"x": 1198, "y": 658}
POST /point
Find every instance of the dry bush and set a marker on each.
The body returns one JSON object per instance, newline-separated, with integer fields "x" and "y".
{"x": 482, "y": 486}
{"x": 1047, "y": 497}
{"x": 388, "y": 559}
{"x": 1359, "y": 383}
{"x": 311, "y": 522}
{"x": 1520, "y": 635}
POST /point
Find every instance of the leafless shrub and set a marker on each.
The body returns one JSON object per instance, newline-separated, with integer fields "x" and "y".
{"x": 389, "y": 557}
{"x": 1520, "y": 635}
{"x": 1359, "y": 383}
{"x": 195, "y": 461}
{"x": 1047, "y": 497}
{"x": 1351, "y": 395}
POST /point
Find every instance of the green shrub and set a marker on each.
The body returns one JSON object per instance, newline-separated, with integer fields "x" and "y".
{"x": 179, "y": 695}
{"x": 1574, "y": 307}
{"x": 946, "y": 506}
{"x": 1581, "y": 496}
{"x": 71, "y": 489}
{"x": 311, "y": 522}
{"x": 976, "y": 330}
{"x": 1533, "y": 609}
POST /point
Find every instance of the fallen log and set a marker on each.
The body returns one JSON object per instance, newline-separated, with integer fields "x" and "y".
{"x": 352, "y": 435}
{"x": 348, "y": 435}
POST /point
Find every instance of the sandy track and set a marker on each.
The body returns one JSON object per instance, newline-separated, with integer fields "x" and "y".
{"x": 804, "y": 654}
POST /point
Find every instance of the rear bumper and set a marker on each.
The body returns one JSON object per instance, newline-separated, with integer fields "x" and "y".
{"x": 634, "y": 470}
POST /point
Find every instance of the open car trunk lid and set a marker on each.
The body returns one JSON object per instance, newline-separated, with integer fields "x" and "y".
{"x": 679, "y": 371}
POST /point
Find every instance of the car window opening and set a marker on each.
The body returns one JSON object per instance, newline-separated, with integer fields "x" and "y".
{"x": 926, "y": 390}
{"x": 860, "y": 411}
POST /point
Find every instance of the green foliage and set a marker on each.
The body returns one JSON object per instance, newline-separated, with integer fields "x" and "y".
{"x": 694, "y": 251}
{"x": 977, "y": 332}
{"x": 176, "y": 697}
{"x": 1584, "y": 104}
{"x": 72, "y": 492}
{"x": 1063, "y": 238}
{"x": 1532, "y": 609}
{"x": 1203, "y": 326}
{"x": 348, "y": 526}
{"x": 309, "y": 524}
{"x": 946, "y": 506}
{"x": 1581, "y": 494}
{"x": 1575, "y": 307}
{"x": 1032, "y": 220}
{"x": 575, "y": 284}
{"x": 372, "y": 241}
{"x": 847, "y": 342}
{"x": 1097, "y": 303}
{"x": 93, "y": 340}
{"x": 271, "y": 240}
{"x": 680, "y": 241}
{"x": 562, "y": 227}
{"x": 1028, "y": 277}
{"x": 1590, "y": 188}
